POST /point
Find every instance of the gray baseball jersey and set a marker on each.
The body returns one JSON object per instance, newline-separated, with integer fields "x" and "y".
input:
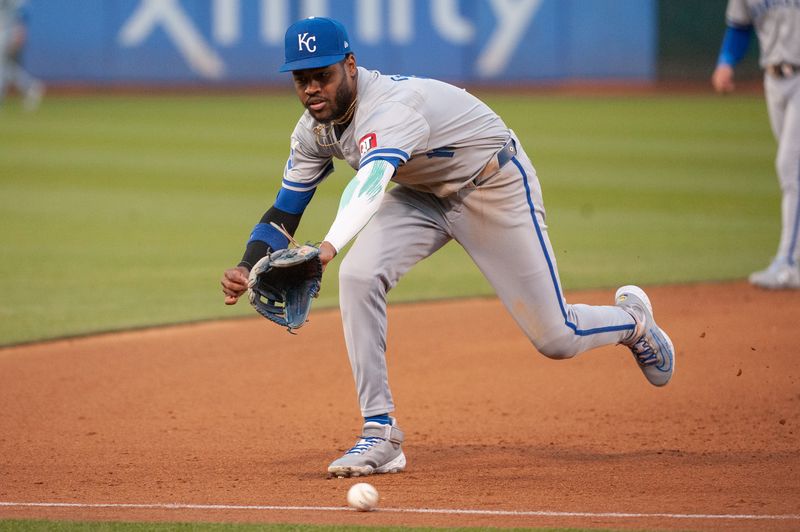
{"x": 9, "y": 18}
{"x": 776, "y": 23}
{"x": 438, "y": 136}
{"x": 441, "y": 138}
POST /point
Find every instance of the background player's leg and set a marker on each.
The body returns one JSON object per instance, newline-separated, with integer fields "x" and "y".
{"x": 502, "y": 228}
{"x": 787, "y": 164}
{"x": 5, "y": 42}
{"x": 783, "y": 103}
{"x": 30, "y": 88}
{"x": 407, "y": 228}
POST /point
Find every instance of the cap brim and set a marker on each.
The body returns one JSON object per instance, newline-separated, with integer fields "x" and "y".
{"x": 312, "y": 62}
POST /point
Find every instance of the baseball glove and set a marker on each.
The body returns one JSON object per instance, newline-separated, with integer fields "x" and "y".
{"x": 282, "y": 285}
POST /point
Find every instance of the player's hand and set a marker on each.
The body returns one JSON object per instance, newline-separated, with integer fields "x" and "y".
{"x": 234, "y": 283}
{"x": 18, "y": 37}
{"x": 326, "y": 253}
{"x": 722, "y": 79}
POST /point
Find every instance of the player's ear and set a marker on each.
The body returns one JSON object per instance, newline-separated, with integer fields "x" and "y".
{"x": 350, "y": 64}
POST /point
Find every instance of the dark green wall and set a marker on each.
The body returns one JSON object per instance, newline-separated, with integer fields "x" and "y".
{"x": 689, "y": 39}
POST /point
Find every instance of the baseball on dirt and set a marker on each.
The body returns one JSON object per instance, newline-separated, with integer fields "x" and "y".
{"x": 362, "y": 496}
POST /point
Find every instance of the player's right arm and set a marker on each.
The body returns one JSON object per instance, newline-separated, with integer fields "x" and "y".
{"x": 303, "y": 172}
{"x": 264, "y": 239}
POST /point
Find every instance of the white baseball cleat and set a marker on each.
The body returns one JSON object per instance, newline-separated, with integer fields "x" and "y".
{"x": 376, "y": 451}
{"x": 650, "y": 345}
{"x": 779, "y": 275}
{"x": 33, "y": 96}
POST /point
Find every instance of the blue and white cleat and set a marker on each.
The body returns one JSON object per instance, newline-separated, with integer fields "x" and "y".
{"x": 649, "y": 344}
{"x": 376, "y": 451}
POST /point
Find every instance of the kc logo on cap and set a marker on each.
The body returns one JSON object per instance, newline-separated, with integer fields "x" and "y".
{"x": 305, "y": 40}
{"x": 315, "y": 42}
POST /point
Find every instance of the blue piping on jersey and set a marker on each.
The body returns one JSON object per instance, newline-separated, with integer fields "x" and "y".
{"x": 394, "y": 161}
{"x": 384, "y": 153}
{"x": 793, "y": 245}
{"x": 738, "y": 25}
{"x": 311, "y": 184}
{"x": 441, "y": 152}
{"x": 579, "y": 332}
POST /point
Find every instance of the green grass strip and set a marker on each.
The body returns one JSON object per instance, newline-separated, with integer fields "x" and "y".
{"x": 122, "y": 211}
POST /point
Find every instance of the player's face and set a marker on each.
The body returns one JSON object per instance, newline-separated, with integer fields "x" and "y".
{"x": 327, "y": 92}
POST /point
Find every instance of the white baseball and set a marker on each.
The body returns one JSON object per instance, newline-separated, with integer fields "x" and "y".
{"x": 362, "y": 496}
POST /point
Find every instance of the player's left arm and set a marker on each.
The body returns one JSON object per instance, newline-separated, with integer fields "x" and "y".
{"x": 304, "y": 171}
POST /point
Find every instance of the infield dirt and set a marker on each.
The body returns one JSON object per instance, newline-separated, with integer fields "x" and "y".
{"x": 241, "y": 413}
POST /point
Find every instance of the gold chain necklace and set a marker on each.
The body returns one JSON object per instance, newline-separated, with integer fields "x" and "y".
{"x": 324, "y": 131}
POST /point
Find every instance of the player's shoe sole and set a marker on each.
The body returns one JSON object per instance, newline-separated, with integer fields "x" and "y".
{"x": 395, "y": 466}
{"x": 650, "y": 344}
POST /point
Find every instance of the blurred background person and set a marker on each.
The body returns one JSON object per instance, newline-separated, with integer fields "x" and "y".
{"x": 13, "y": 36}
{"x": 777, "y": 25}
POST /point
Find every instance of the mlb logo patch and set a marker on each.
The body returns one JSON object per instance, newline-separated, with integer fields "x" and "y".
{"x": 367, "y": 142}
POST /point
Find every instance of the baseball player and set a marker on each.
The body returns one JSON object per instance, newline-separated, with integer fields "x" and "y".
{"x": 460, "y": 173}
{"x": 13, "y": 34}
{"x": 777, "y": 24}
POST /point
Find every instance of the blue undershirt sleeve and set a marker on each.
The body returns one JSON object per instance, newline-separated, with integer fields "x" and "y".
{"x": 289, "y": 202}
{"x": 264, "y": 232}
{"x": 292, "y": 201}
{"x": 287, "y": 211}
{"x": 734, "y": 45}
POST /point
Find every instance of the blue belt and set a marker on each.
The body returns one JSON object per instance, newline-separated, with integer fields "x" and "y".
{"x": 498, "y": 160}
{"x": 506, "y": 153}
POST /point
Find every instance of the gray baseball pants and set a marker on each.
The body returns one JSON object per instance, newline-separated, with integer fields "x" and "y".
{"x": 11, "y": 72}
{"x": 783, "y": 103}
{"x": 501, "y": 225}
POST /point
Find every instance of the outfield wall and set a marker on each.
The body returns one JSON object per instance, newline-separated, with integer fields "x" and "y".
{"x": 689, "y": 39}
{"x": 241, "y": 41}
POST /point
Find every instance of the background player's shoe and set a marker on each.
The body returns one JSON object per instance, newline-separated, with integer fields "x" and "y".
{"x": 33, "y": 96}
{"x": 376, "y": 451}
{"x": 649, "y": 344}
{"x": 778, "y": 276}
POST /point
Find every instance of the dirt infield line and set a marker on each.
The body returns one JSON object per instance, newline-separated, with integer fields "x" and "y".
{"x": 446, "y": 511}
{"x": 238, "y": 413}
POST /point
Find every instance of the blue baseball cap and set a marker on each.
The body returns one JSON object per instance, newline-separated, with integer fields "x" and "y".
{"x": 315, "y": 42}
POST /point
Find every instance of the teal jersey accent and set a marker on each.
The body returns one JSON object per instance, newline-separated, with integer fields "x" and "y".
{"x": 373, "y": 186}
{"x": 347, "y": 195}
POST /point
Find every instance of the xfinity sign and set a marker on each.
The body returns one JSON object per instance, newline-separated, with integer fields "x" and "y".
{"x": 242, "y": 40}
{"x": 512, "y": 18}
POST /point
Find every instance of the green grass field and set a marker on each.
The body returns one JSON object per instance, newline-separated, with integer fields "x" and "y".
{"x": 123, "y": 211}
